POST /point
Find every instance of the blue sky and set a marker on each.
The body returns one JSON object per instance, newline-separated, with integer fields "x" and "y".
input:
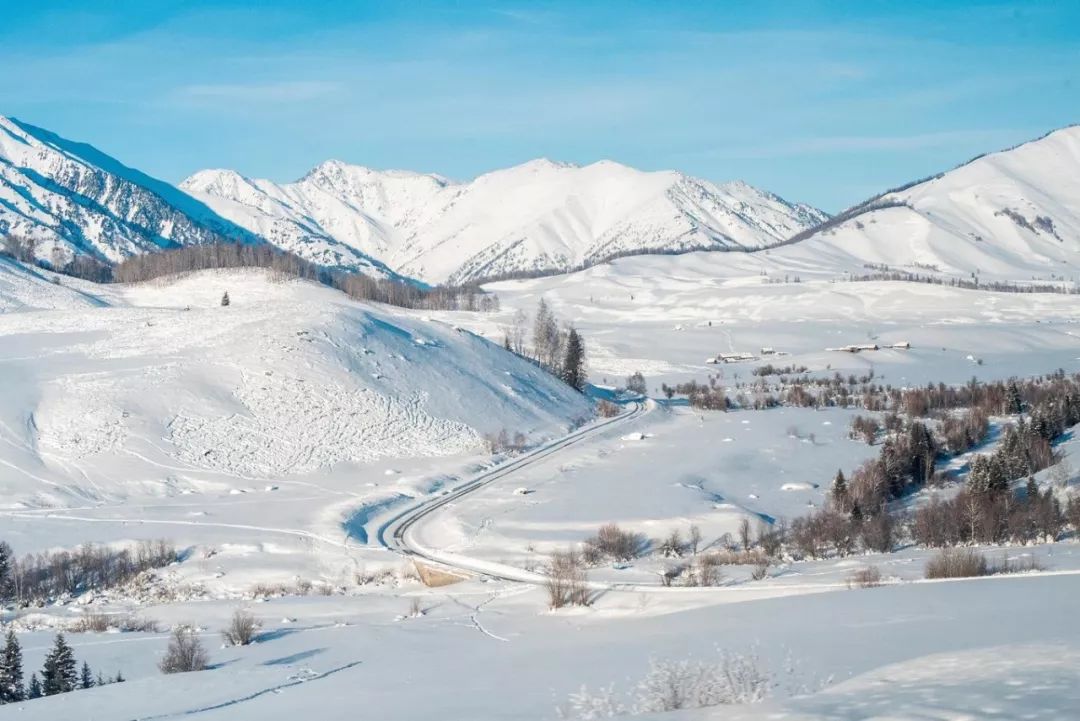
{"x": 824, "y": 102}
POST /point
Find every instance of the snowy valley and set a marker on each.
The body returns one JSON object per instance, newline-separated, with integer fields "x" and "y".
{"x": 421, "y": 516}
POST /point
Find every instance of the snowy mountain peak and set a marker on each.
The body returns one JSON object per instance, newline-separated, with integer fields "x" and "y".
{"x": 73, "y": 198}
{"x": 1012, "y": 213}
{"x": 539, "y": 216}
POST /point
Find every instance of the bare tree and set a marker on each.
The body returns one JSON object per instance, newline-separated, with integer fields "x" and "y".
{"x": 744, "y": 533}
{"x": 566, "y": 580}
{"x": 695, "y": 539}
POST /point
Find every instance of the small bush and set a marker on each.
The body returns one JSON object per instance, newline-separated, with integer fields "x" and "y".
{"x": 185, "y": 652}
{"x": 957, "y": 563}
{"x": 241, "y": 629}
{"x": 869, "y": 577}
{"x": 614, "y": 543}
{"x": 760, "y": 570}
{"x": 92, "y": 623}
{"x": 1026, "y": 564}
{"x": 139, "y": 624}
{"x": 607, "y": 409}
{"x": 566, "y": 581}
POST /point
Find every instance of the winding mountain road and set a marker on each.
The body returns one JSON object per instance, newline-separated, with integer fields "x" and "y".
{"x": 398, "y": 532}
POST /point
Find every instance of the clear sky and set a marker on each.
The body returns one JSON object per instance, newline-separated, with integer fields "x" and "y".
{"x": 824, "y": 102}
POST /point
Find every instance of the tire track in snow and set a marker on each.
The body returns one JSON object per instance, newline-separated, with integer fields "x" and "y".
{"x": 251, "y": 696}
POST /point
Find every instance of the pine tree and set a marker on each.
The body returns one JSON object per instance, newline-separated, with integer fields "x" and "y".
{"x": 86, "y": 679}
{"x": 7, "y": 572}
{"x": 11, "y": 673}
{"x": 34, "y": 689}
{"x": 225, "y": 299}
{"x": 573, "y": 371}
{"x": 1032, "y": 490}
{"x": 59, "y": 674}
{"x": 1013, "y": 402}
{"x": 839, "y": 492}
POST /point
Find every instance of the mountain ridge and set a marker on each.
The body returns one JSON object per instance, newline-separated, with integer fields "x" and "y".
{"x": 538, "y": 216}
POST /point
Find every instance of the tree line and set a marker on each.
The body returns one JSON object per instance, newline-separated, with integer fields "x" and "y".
{"x": 41, "y": 577}
{"x": 556, "y": 347}
{"x": 148, "y": 266}
{"x": 986, "y": 510}
{"x": 59, "y": 674}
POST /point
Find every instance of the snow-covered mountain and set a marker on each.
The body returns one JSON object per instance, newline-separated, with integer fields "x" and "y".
{"x": 73, "y": 197}
{"x": 539, "y": 216}
{"x": 1011, "y": 214}
{"x": 167, "y": 387}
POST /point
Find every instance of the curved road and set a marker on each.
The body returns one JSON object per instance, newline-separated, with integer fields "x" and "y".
{"x": 396, "y": 533}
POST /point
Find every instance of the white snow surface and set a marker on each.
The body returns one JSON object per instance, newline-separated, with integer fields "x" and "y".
{"x": 1012, "y": 214}
{"x": 539, "y": 216}
{"x": 163, "y": 386}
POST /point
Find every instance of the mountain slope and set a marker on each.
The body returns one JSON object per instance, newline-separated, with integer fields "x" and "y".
{"x": 74, "y": 198}
{"x": 167, "y": 392}
{"x": 1011, "y": 214}
{"x": 539, "y": 216}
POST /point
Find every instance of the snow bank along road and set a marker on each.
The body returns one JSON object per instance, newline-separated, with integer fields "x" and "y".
{"x": 397, "y": 533}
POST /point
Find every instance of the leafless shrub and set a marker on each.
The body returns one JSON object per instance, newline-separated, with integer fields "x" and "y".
{"x": 614, "y": 543}
{"x": 670, "y": 573}
{"x": 139, "y": 624}
{"x": 303, "y": 587}
{"x": 733, "y": 557}
{"x": 607, "y": 409}
{"x": 241, "y": 629}
{"x": 760, "y": 570}
{"x": 708, "y": 570}
{"x": 770, "y": 538}
{"x": 1025, "y": 564}
{"x": 744, "y": 533}
{"x": 957, "y": 563}
{"x": 695, "y": 539}
{"x": 185, "y": 652}
{"x": 869, "y": 577}
{"x": 92, "y": 623}
{"x": 566, "y": 580}
{"x": 270, "y": 590}
{"x": 673, "y": 545}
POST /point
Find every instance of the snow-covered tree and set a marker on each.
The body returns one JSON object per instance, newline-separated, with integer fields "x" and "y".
{"x": 86, "y": 678}
{"x": 59, "y": 674}
{"x": 11, "y": 673}
{"x": 7, "y": 572}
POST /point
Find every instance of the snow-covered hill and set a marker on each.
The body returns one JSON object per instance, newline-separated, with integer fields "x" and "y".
{"x": 539, "y": 216}
{"x": 1012, "y": 214}
{"x": 74, "y": 198}
{"x": 157, "y": 389}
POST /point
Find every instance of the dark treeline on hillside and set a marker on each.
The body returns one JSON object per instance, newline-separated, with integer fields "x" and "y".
{"x": 973, "y": 284}
{"x": 39, "y": 578}
{"x": 148, "y": 266}
{"x": 936, "y": 425}
{"x": 557, "y": 348}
